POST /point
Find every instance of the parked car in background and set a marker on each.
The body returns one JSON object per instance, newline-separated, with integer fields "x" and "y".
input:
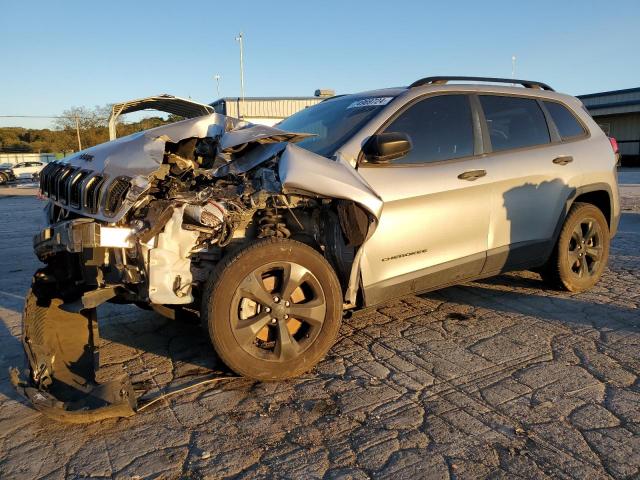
{"x": 6, "y": 173}
{"x": 28, "y": 170}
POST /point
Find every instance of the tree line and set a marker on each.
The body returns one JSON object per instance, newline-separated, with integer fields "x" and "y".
{"x": 62, "y": 138}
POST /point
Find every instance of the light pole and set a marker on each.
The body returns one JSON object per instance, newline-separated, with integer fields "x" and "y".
{"x": 78, "y": 133}
{"x": 240, "y": 39}
{"x": 217, "y": 78}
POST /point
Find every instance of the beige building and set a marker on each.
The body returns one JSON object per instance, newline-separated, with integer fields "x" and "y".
{"x": 263, "y": 110}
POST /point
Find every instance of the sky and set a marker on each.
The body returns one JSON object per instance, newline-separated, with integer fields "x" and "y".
{"x": 60, "y": 54}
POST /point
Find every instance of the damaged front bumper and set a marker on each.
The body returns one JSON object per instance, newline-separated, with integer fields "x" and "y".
{"x": 62, "y": 355}
{"x": 60, "y": 328}
{"x": 74, "y": 236}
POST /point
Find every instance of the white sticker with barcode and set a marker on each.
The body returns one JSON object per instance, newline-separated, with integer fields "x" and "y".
{"x": 370, "y": 102}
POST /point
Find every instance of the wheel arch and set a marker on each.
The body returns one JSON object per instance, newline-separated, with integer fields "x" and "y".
{"x": 598, "y": 195}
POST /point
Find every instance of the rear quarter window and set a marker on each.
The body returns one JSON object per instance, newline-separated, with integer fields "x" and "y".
{"x": 514, "y": 122}
{"x": 567, "y": 124}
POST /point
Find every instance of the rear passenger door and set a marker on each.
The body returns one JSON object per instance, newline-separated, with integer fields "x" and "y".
{"x": 533, "y": 173}
{"x": 435, "y": 218}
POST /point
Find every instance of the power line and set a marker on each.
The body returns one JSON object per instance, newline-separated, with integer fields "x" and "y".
{"x": 52, "y": 116}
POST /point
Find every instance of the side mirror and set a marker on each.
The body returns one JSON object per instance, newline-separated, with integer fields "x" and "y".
{"x": 388, "y": 146}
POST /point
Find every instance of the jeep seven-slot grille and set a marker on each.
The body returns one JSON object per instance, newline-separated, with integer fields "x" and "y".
{"x": 79, "y": 189}
{"x": 75, "y": 189}
{"x": 92, "y": 193}
{"x": 44, "y": 175}
{"x": 117, "y": 191}
{"x": 61, "y": 188}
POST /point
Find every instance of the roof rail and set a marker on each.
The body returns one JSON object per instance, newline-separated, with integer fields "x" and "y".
{"x": 444, "y": 79}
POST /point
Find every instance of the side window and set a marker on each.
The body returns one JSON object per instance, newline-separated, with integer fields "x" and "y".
{"x": 20, "y": 165}
{"x": 440, "y": 128}
{"x": 514, "y": 122}
{"x": 566, "y": 122}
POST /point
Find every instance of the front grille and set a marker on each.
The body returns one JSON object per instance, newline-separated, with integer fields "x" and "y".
{"x": 44, "y": 175}
{"x": 50, "y": 188}
{"x": 92, "y": 193}
{"x": 62, "y": 184}
{"x": 115, "y": 196}
{"x": 75, "y": 189}
{"x": 81, "y": 189}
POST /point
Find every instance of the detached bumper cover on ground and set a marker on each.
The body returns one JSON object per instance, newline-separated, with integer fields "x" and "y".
{"x": 61, "y": 350}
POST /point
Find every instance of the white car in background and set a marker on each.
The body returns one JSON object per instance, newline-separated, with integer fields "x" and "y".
{"x": 28, "y": 170}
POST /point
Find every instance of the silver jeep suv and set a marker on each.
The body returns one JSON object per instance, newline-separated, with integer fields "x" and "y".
{"x": 268, "y": 234}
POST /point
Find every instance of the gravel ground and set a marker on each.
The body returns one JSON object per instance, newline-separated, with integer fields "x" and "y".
{"x": 499, "y": 378}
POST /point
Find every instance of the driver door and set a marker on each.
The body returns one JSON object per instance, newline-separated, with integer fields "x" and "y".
{"x": 435, "y": 219}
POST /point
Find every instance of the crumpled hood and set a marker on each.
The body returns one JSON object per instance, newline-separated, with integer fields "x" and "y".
{"x": 139, "y": 156}
{"x": 142, "y": 153}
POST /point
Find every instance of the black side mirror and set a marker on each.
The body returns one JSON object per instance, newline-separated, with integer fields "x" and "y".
{"x": 387, "y": 146}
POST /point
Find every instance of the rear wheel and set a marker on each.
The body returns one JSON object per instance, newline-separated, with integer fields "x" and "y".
{"x": 273, "y": 309}
{"x": 3, "y": 179}
{"x": 582, "y": 251}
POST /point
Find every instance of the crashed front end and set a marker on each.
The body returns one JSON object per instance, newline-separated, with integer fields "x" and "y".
{"x": 145, "y": 219}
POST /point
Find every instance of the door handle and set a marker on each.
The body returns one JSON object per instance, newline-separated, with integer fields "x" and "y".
{"x": 472, "y": 175}
{"x": 563, "y": 159}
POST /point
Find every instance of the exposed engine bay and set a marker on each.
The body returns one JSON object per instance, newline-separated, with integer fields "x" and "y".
{"x": 146, "y": 218}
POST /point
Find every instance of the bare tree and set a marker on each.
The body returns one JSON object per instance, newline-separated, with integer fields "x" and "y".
{"x": 87, "y": 117}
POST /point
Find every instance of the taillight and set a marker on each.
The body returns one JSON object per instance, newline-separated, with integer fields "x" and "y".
{"x": 614, "y": 144}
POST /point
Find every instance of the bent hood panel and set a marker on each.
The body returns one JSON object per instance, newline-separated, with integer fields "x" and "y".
{"x": 303, "y": 171}
{"x": 260, "y": 134}
{"x": 142, "y": 153}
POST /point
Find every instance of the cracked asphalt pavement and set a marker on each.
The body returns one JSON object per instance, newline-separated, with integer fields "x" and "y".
{"x": 500, "y": 378}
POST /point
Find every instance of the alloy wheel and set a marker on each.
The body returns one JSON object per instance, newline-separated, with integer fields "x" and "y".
{"x": 585, "y": 248}
{"x": 278, "y": 311}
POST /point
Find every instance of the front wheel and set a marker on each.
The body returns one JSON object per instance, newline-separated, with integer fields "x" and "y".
{"x": 582, "y": 250}
{"x": 273, "y": 309}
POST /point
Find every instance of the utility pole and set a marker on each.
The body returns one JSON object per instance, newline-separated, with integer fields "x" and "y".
{"x": 240, "y": 39}
{"x": 217, "y": 78}
{"x": 78, "y": 132}
{"x": 513, "y": 67}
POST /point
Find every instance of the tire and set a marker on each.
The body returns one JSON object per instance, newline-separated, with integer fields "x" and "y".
{"x": 263, "y": 326}
{"x": 582, "y": 251}
{"x": 3, "y": 179}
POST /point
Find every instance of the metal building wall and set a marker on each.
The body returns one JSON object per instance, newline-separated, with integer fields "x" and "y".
{"x": 625, "y": 128}
{"x": 618, "y": 113}
{"x": 263, "y": 108}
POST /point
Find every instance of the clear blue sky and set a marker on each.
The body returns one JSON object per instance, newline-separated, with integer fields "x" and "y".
{"x": 58, "y": 54}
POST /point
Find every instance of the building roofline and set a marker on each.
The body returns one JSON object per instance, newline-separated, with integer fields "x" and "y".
{"x": 239, "y": 99}
{"x": 610, "y": 92}
{"x": 601, "y": 106}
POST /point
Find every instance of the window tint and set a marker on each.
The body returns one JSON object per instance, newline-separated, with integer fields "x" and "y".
{"x": 440, "y": 128}
{"x": 514, "y": 122}
{"x": 567, "y": 124}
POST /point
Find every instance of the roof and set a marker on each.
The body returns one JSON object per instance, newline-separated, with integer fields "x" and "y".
{"x": 610, "y": 92}
{"x": 164, "y": 103}
{"x": 613, "y": 102}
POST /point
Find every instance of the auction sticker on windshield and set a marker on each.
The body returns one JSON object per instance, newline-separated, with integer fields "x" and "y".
{"x": 370, "y": 102}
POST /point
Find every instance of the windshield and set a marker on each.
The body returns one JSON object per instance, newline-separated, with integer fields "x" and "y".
{"x": 333, "y": 121}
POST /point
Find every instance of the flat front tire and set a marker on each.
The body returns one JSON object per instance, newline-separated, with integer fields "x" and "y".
{"x": 582, "y": 250}
{"x": 272, "y": 309}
